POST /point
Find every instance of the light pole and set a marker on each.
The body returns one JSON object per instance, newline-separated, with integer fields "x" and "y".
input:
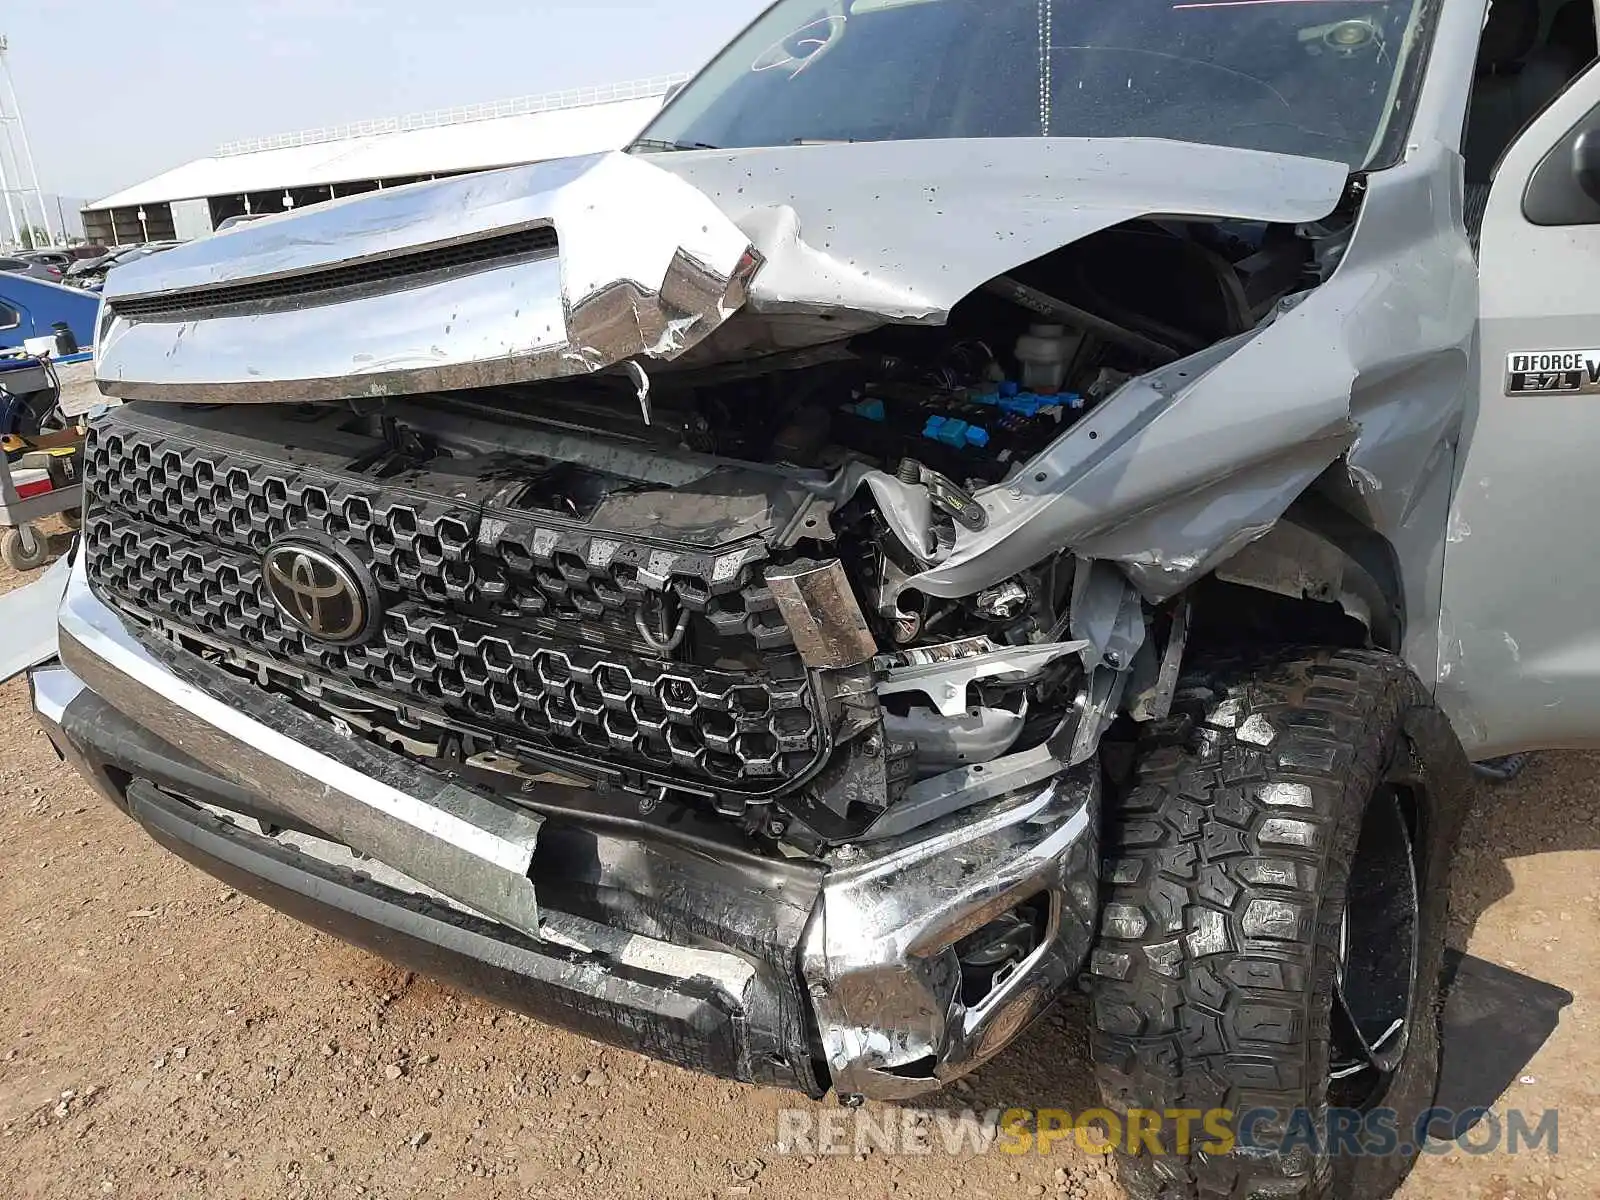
{"x": 5, "y": 187}
{"x": 27, "y": 149}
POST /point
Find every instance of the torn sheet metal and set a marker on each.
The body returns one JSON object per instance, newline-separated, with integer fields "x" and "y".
{"x": 1106, "y": 616}
{"x": 556, "y": 269}
{"x": 975, "y": 736}
{"x": 731, "y": 975}
{"x": 641, "y": 383}
{"x": 1185, "y": 466}
{"x": 1152, "y": 698}
{"x": 945, "y": 672}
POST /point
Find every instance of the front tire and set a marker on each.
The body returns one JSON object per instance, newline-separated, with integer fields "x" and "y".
{"x": 1276, "y": 889}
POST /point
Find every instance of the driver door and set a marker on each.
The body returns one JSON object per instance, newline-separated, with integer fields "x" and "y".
{"x": 1520, "y": 621}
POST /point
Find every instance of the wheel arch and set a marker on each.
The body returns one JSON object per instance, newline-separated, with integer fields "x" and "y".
{"x": 1316, "y": 554}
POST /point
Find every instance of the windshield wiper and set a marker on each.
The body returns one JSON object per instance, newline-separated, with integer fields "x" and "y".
{"x": 663, "y": 146}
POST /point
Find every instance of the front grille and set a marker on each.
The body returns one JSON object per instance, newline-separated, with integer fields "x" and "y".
{"x": 523, "y": 632}
{"x": 412, "y": 269}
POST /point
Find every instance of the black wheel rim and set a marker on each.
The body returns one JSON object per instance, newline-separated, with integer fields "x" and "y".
{"x": 1375, "y": 982}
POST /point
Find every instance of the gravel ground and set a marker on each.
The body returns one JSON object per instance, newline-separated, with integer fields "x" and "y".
{"x": 162, "y": 1036}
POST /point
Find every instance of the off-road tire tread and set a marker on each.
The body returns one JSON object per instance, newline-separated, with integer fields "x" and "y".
{"x": 1222, "y": 908}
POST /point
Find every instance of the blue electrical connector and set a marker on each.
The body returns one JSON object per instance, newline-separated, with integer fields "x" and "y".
{"x": 954, "y": 432}
{"x": 1010, "y": 398}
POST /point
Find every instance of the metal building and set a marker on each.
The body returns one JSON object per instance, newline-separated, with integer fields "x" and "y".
{"x": 274, "y": 174}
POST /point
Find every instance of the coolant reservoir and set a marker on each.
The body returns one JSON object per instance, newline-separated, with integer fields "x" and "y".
{"x": 1046, "y": 353}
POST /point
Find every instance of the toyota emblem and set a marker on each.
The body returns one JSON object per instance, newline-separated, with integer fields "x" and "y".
{"x": 319, "y": 590}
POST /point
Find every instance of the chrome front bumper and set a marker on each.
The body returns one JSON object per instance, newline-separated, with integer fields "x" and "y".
{"x": 880, "y": 961}
{"x": 871, "y": 946}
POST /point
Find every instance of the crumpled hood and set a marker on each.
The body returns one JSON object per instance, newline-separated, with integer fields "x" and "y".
{"x": 569, "y": 267}
{"x": 905, "y": 230}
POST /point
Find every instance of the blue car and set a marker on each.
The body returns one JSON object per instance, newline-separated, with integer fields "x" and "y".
{"x": 32, "y": 307}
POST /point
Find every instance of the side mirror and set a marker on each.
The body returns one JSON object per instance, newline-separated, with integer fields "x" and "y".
{"x": 672, "y": 93}
{"x": 1586, "y": 163}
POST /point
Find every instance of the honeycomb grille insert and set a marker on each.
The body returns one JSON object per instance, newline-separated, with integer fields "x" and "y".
{"x": 526, "y": 637}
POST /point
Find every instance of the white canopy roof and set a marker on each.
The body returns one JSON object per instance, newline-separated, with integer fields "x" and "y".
{"x": 427, "y": 144}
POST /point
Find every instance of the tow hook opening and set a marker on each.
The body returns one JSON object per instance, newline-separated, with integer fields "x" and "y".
{"x": 991, "y": 954}
{"x": 917, "y": 1068}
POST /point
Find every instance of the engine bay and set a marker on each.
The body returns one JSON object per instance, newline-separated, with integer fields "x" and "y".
{"x": 1018, "y": 364}
{"x": 628, "y": 555}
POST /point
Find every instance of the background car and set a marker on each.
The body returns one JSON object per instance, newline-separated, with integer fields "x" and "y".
{"x": 60, "y": 259}
{"x": 99, "y": 264}
{"x": 90, "y": 273}
{"x": 32, "y": 307}
{"x": 21, "y": 266}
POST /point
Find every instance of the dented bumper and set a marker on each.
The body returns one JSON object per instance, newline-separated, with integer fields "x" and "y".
{"x": 573, "y": 906}
{"x": 884, "y": 956}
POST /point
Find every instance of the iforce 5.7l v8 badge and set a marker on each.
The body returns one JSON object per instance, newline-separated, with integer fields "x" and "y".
{"x": 1543, "y": 372}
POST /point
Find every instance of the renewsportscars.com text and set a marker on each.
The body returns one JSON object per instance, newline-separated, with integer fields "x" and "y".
{"x": 1338, "y": 1131}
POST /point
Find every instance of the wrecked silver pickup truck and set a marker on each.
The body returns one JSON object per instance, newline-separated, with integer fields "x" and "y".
{"x": 981, "y": 496}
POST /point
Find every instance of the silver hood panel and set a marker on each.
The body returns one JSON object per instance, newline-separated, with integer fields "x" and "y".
{"x": 655, "y": 256}
{"x": 646, "y": 267}
{"x": 905, "y": 230}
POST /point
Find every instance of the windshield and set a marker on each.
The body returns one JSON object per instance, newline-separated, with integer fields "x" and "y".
{"x": 1318, "y": 78}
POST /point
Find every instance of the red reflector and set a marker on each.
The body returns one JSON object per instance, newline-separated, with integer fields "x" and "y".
{"x": 24, "y": 490}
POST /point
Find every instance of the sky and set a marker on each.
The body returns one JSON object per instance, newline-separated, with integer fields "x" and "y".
{"x": 140, "y": 86}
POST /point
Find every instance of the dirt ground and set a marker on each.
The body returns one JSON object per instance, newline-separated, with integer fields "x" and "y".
{"x": 161, "y": 1035}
